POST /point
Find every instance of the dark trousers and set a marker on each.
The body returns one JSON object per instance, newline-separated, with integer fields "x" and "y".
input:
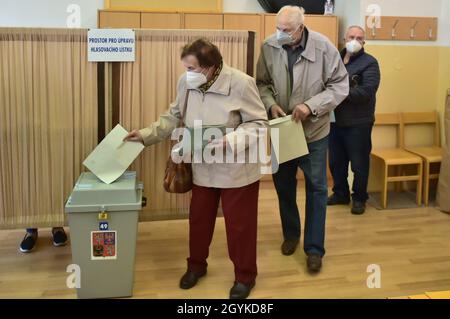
{"x": 350, "y": 145}
{"x": 315, "y": 170}
{"x": 240, "y": 210}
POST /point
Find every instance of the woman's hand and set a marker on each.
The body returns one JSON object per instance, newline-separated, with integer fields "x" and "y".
{"x": 134, "y": 136}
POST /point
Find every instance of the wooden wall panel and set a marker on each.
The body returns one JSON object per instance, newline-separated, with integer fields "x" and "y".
{"x": 166, "y": 5}
{"x": 328, "y": 26}
{"x": 263, "y": 24}
{"x": 203, "y": 21}
{"x": 119, "y": 19}
{"x": 404, "y": 29}
{"x": 161, "y": 20}
{"x": 250, "y": 22}
{"x": 270, "y": 25}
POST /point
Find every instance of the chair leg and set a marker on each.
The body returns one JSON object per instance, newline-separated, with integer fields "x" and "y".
{"x": 385, "y": 186}
{"x": 426, "y": 183}
{"x": 399, "y": 185}
{"x": 419, "y": 184}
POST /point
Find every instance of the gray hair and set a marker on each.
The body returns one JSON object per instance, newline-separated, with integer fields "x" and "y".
{"x": 296, "y": 14}
{"x": 357, "y": 27}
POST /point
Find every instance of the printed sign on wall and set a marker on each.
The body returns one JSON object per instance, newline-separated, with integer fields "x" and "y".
{"x": 111, "y": 45}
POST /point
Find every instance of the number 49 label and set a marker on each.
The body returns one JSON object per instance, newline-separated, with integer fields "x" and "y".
{"x": 103, "y": 226}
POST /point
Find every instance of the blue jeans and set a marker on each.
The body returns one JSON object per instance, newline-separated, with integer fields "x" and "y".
{"x": 350, "y": 145}
{"x": 314, "y": 168}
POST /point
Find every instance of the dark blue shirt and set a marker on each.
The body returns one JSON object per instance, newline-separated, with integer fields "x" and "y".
{"x": 293, "y": 54}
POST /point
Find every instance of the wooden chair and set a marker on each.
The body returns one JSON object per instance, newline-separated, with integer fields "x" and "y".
{"x": 431, "y": 154}
{"x": 397, "y": 157}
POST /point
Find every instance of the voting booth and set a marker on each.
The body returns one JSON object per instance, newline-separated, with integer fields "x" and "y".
{"x": 103, "y": 220}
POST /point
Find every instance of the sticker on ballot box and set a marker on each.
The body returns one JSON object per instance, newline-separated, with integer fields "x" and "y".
{"x": 103, "y": 245}
{"x": 103, "y": 226}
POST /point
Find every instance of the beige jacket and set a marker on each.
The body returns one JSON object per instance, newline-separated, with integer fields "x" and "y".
{"x": 233, "y": 101}
{"x": 320, "y": 81}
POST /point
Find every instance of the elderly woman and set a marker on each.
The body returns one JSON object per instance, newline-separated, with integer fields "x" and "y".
{"x": 215, "y": 94}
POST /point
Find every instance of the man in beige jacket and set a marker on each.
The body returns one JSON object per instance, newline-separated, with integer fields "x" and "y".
{"x": 300, "y": 72}
{"x": 217, "y": 95}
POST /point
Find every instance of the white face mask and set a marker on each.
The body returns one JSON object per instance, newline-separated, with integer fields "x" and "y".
{"x": 195, "y": 79}
{"x": 285, "y": 38}
{"x": 353, "y": 46}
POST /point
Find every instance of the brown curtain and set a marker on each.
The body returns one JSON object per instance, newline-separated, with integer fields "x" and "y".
{"x": 48, "y": 122}
{"x": 146, "y": 89}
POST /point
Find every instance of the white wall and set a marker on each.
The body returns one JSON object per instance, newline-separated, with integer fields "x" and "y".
{"x": 349, "y": 14}
{"x": 53, "y": 13}
{"x": 444, "y": 24}
{"x": 46, "y": 13}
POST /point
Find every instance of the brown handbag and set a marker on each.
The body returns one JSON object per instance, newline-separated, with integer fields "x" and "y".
{"x": 178, "y": 177}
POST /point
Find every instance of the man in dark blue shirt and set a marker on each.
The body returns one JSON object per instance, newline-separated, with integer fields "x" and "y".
{"x": 350, "y": 136}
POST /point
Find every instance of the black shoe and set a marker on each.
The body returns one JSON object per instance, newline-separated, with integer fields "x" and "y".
{"x": 289, "y": 247}
{"x": 334, "y": 200}
{"x": 59, "y": 237}
{"x": 29, "y": 242}
{"x": 240, "y": 290}
{"x": 190, "y": 279}
{"x": 314, "y": 262}
{"x": 358, "y": 208}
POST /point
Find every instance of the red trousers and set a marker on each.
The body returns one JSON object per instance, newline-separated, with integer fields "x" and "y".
{"x": 240, "y": 210}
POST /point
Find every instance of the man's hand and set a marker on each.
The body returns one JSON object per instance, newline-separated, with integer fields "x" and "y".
{"x": 301, "y": 112}
{"x": 276, "y": 111}
{"x": 134, "y": 136}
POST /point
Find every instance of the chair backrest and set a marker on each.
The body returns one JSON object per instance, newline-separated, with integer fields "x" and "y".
{"x": 424, "y": 118}
{"x": 391, "y": 119}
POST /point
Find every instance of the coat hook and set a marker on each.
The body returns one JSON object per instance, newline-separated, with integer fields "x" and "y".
{"x": 376, "y": 24}
{"x": 413, "y": 30}
{"x": 430, "y": 33}
{"x": 394, "y": 27}
{"x": 374, "y": 31}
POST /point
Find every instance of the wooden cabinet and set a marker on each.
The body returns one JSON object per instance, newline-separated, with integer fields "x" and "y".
{"x": 327, "y": 25}
{"x": 207, "y": 6}
{"x": 156, "y": 20}
{"x": 270, "y": 25}
{"x": 249, "y": 22}
{"x": 119, "y": 19}
{"x": 203, "y": 21}
{"x": 263, "y": 24}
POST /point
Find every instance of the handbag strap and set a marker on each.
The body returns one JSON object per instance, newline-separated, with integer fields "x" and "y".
{"x": 183, "y": 119}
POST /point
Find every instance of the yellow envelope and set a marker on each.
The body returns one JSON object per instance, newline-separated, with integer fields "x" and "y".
{"x": 288, "y": 139}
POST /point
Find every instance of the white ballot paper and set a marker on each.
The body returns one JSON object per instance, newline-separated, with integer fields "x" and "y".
{"x": 291, "y": 141}
{"x": 109, "y": 160}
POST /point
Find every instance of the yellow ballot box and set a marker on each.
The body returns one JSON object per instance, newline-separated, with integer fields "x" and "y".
{"x": 287, "y": 139}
